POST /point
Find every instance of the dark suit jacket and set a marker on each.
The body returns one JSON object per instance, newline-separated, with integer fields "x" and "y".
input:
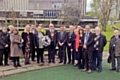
{"x": 70, "y": 38}
{"x": 90, "y": 43}
{"x": 4, "y": 39}
{"x": 55, "y": 36}
{"x": 24, "y": 36}
{"x": 64, "y": 38}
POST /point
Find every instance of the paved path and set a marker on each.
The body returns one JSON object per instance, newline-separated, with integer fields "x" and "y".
{"x": 10, "y": 70}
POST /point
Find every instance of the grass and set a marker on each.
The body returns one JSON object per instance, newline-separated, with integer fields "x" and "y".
{"x": 109, "y": 33}
{"x": 67, "y": 72}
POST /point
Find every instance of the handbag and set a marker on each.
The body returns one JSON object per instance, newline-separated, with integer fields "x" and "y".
{"x": 109, "y": 59}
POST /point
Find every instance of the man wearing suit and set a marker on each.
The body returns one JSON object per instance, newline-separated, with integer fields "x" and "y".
{"x": 34, "y": 31}
{"x": 100, "y": 42}
{"x": 62, "y": 38}
{"x": 70, "y": 36}
{"x": 88, "y": 47}
{"x": 52, "y": 34}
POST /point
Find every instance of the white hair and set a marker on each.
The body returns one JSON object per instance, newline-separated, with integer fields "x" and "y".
{"x": 97, "y": 28}
{"x": 116, "y": 31}
{"x": 51, "y": 24}
{"x": 10, "y": 26}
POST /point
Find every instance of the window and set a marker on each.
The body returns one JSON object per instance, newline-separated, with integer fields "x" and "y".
{"x": 51, "y": 13}
{"x": 56, "y": 5}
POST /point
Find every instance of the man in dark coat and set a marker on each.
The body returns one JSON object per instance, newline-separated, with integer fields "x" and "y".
{"x": 52, "y": 34}
{"x": 112, "y": 49}
{"x": 62, "y": 38}
{"x": 88, "y": 47}
{"x": 34, "y": 31}
{"x": 70, "y": 37}
{"x": 4, "y": 44}
{"x": 99, "y": 44}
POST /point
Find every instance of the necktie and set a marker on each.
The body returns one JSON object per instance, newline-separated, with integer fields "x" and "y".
{"x": 86, "y": 38}
{"x": 61, "y": 35}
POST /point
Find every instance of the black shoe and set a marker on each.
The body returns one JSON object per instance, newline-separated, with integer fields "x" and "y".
{"x": 15, "y": 66}
{"x": 61, "y": 62}
{"x": 28, "y": 62}
{"x": 99, "y": 70}
{"x": 64, "y": 63}
{"x": 49, "y": 62}
{"x": 33, "y": 60}
{"x": 118, "y": 70}
{"x": 18, "y": 65}
{"x": 112, "y": 69}
{"x": 75, "y": 65}
{"x": 68, "y": 62}
{"x": 6, "y": 64}
{"x": 53, "y": 62}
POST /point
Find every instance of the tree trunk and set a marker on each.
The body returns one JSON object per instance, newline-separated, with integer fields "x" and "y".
{"x": 103, "y": 27}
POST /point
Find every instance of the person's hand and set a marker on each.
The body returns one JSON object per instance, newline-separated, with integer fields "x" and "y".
{"x": 59, "y": 43}
{"x": 6, "y": 45}
{"x": 35, "y": 47}
{"x": 84, "y": 46}
{"x": 77, "y": 50}
{"x": 69, "y": 44}
{"x": 62, "y": 44}
{"x": 71, "y": 50}
{"x": 22, "y": 40}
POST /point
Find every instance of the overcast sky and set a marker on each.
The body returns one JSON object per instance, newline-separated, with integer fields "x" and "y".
{"x": 88, "y": 5}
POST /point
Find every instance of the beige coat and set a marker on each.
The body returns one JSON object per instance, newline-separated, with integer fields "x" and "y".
{"x": 15, "y": 50}
{"x": 117, "y": 48}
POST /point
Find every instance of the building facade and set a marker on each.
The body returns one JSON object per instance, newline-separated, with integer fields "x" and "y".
{"x": 37, "y": 10}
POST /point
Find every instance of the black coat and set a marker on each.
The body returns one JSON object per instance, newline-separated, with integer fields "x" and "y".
{"x": 55, "y": 36}
{"x": 70, "y": 38}
{"x": 4, "y": 39}
{"x": 90, "y": 43}
{"x": 102, "y": 42}
{"x": 64, "y": 38}
{"x": 32, "y": 40}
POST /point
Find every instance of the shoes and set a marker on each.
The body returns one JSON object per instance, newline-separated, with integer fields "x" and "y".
{"x": 68, "y": 62}
{"x": 118, "y": 70}
{"x": 18, "y": 65}
{"x": 6, "y": 64}
{"x": 53, "y": 62}
{"x": 99, "y": 70}
{"x": 75, "y": 65}
{"x": 49, "y": 62}
{"x": 89, "y": 71}
{"x": 15, "y": 66}
{"x": 112, "y": 69}
{"x": 60, "y": 61}
{"x": 33, "y": 60}
{"x": 84, "y": 70}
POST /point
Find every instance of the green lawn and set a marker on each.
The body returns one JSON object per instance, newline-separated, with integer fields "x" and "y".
{"x": 67, "y": 72}
{"x": 109, "y": 33}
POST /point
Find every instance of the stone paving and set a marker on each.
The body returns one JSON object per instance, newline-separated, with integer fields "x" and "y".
{"x": 10, "y": 70}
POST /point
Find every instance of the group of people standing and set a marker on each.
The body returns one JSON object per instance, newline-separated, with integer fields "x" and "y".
{"x": 82, "y": 49}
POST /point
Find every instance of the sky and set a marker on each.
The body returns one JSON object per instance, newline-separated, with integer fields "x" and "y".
{"x": 88, "y": 5}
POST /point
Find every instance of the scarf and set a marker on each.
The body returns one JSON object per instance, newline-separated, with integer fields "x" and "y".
{"x": 96, "y": 42}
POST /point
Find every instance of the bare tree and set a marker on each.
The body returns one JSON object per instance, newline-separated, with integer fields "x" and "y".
{"x": 102, "y": 9}
{"x": 70, "y": 13}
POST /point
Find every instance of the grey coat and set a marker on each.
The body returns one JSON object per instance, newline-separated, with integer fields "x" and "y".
{"x": 15, "y": 50}
{"x": 117, "y": 48}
